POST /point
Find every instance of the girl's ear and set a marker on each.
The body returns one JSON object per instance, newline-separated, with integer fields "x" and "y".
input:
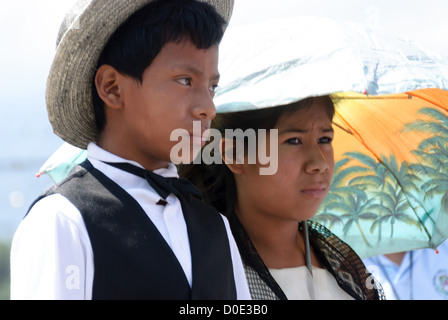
{"x": 107, "y": 82}
{"x": 228, "y": 152}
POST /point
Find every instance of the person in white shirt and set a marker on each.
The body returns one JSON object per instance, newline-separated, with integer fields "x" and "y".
{"x": 413, "y": 275}
{"x": 122, "y": 225}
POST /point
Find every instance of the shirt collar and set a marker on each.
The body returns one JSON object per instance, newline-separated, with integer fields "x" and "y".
{"x": 98, "y": 153}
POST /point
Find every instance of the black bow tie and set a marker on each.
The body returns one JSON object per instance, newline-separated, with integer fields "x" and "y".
{"x": 163, "y": 186}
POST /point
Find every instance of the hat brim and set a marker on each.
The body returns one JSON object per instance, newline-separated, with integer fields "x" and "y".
{"x": 69, "y": 84}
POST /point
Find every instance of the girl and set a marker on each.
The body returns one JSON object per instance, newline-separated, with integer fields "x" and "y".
{"x": 269, "y": 214}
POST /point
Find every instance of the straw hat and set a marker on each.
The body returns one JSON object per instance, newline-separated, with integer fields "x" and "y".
{"x": 83, "y": 35}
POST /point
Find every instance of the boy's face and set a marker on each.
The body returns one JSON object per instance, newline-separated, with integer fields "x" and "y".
{"x": 177, "y": 89}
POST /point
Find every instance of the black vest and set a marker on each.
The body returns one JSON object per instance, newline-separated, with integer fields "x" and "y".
{"x": 132, "y": 260}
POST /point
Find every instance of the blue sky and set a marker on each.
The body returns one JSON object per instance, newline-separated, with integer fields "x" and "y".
{"x": 422, "y": 21}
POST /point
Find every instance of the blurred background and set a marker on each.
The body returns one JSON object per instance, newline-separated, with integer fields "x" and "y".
{"x": 28, "y": 30}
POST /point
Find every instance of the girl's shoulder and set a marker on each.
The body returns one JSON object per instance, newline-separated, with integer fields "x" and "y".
{"x": 344, "y": 263}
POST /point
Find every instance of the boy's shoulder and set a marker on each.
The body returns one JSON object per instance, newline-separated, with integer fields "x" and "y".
{"x": 75, "y": 177}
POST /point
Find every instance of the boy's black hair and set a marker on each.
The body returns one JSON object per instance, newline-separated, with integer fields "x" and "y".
{"x": 136, "y": 43}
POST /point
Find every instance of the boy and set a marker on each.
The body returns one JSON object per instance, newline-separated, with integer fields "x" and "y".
{"x": 125, "y": 75}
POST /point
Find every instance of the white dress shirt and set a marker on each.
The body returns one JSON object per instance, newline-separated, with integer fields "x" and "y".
{"x": 51, "y": 254}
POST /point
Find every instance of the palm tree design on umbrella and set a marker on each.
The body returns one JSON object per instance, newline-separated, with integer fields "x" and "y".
{"x": 377, "y": 193}
{"x": 434, "y": 152}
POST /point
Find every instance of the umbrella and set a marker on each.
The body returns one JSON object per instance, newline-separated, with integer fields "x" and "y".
{"x": 277, "y": 62}
{"x": 390, "y": 188}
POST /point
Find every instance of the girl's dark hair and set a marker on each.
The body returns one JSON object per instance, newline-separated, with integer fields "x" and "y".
{"x": 216, "y": 181}
{"x": 136, "y": 43}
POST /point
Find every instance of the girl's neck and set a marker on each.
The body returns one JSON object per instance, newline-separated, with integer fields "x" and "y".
{"x": 279, "y": 242}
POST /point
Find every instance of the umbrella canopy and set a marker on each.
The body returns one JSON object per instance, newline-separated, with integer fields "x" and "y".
{"x": 277, "y": 62}
{"x": 390, "y": 188}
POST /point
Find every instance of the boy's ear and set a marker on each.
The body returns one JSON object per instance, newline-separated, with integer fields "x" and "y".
{"x": 107, "y": 82}
{"x": 229, "y": 157}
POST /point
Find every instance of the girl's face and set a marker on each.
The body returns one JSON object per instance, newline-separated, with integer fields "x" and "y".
{"x": 305, "y": 169}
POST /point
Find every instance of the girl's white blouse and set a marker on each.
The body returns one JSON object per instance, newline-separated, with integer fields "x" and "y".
{"x": 298, "y": 284}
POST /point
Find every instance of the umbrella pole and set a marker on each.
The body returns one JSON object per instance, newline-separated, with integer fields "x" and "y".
{"x": 307, "y": 248}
